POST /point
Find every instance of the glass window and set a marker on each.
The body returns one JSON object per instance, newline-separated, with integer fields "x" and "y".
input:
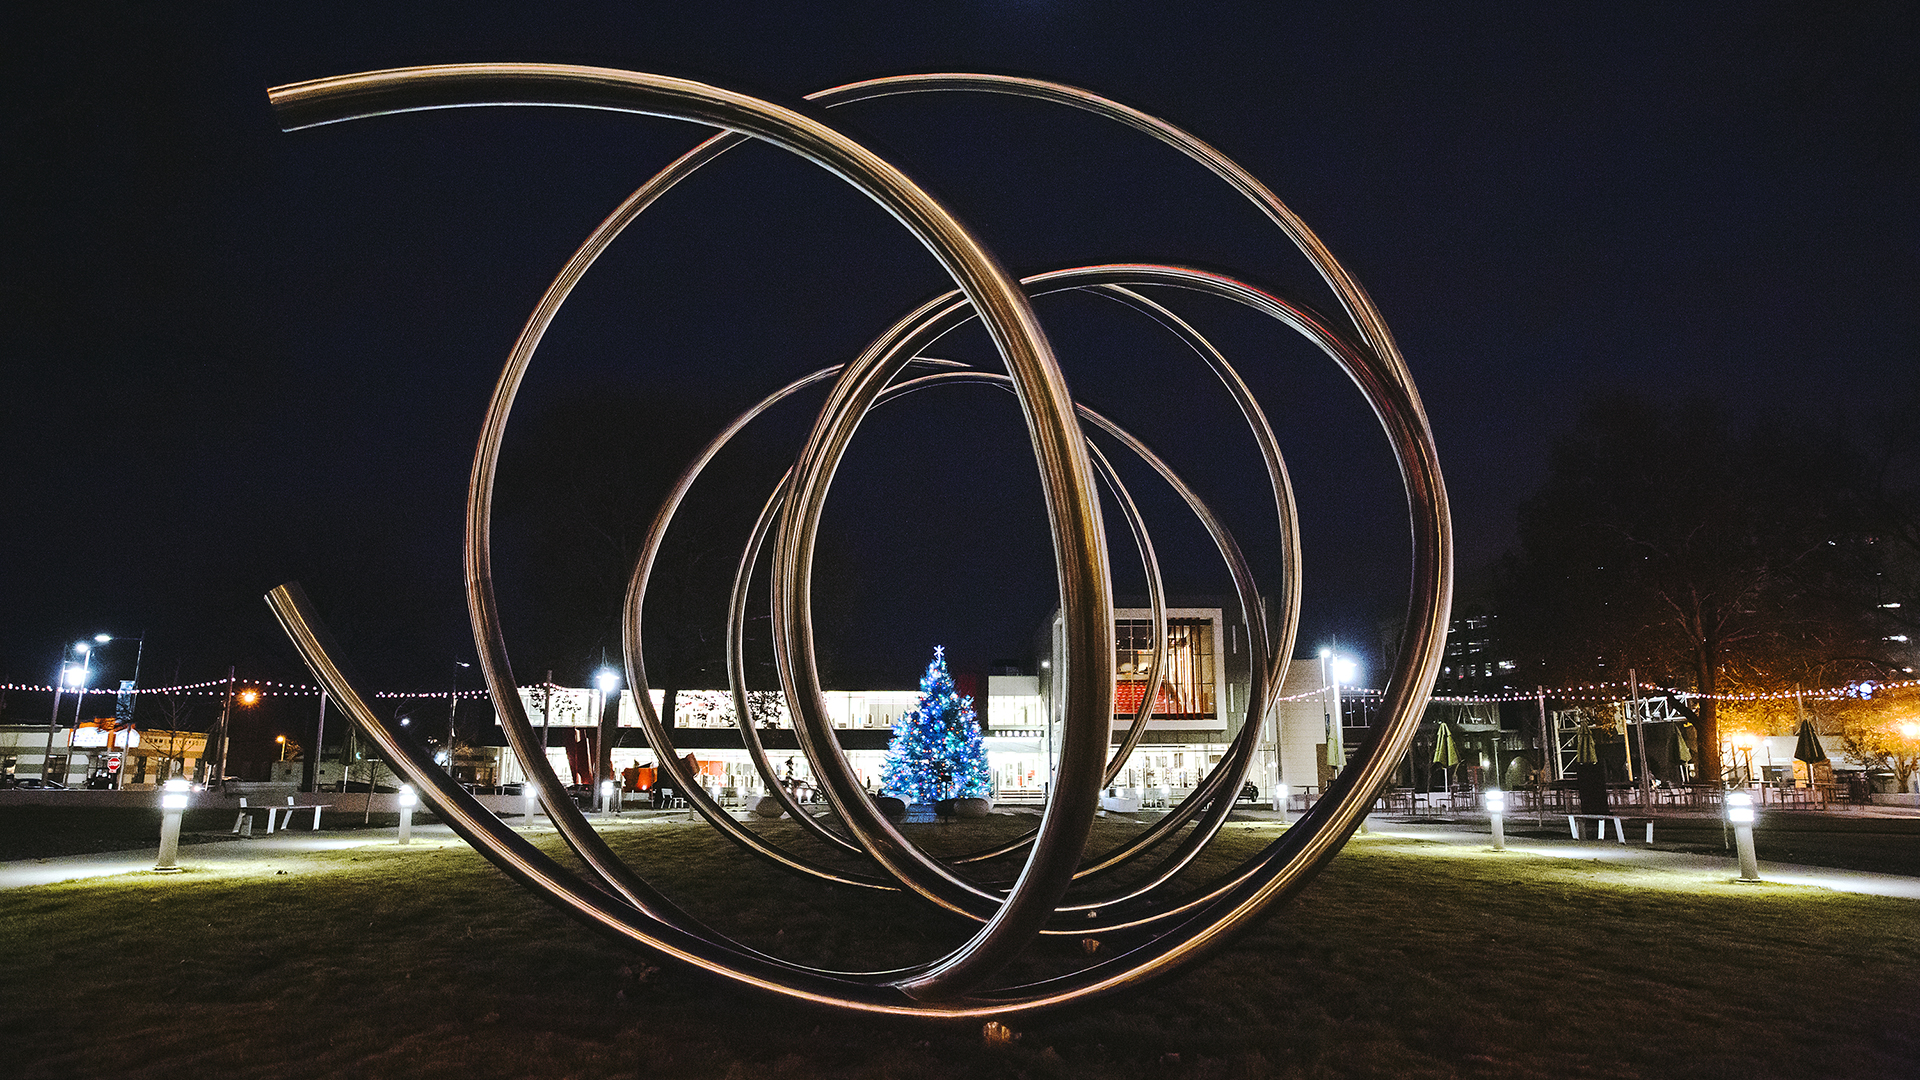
{"x": 1186, "y": 689}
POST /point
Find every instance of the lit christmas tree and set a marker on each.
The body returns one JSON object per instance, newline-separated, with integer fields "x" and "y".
{"x": 936, "y": 752}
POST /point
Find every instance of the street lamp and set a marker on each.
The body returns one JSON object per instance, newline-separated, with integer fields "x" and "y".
{"x": 607, "y": 680}
{"x": 74, "y": 676}
{"x": 1334, "y": 670}
{"x": 453, "y": 707}
{"x": 1746, "y": 741}
{"x": 282, "y": 740}
{"x": 131, "y": 687}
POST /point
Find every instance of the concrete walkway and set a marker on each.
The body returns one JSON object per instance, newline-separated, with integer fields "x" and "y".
{"x": 1640, "y": 855}
{"x": 285, "y": 850}
{"x": 280, "y": 850}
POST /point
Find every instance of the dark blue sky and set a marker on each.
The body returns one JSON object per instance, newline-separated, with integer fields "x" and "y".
{"x": 238, "y": 356}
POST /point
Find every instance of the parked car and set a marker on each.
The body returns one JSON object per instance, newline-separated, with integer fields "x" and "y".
{"x": 1249, "y": 793}
{"x": 34, "y": 783}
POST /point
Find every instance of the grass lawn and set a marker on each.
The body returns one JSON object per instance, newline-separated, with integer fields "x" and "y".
{"x": 1405, "y": 959}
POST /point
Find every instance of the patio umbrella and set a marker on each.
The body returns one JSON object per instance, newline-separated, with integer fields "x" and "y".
{"x": 1682, "y": 753}
{"x": 1586, "y": 750}
{"x": 1446, "y": 753}
{"x": 1808, "y": 749}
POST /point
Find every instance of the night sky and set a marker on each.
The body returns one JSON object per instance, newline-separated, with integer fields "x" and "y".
{"x": 238, "y": 356}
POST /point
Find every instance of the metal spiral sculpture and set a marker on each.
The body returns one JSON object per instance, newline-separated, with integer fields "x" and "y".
{"x": 1160, "y": 934}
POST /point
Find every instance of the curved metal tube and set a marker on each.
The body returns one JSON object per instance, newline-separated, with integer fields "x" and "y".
{"x": 619, "y": 902}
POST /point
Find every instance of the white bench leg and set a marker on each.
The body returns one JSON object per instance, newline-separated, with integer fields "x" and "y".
{"x": 1649, "y": 832}
{"x": 1573, "y": 826}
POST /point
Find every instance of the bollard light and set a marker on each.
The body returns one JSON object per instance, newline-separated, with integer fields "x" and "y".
{"x": 1740, "y": 815}
{"x": 407, "y": 802}
{"x": 532, "y": 793}
{"x": 1282, "y": 800}
{"x": 1496, "y": 809}
{"x": 173, "y": 805}
{"x": 606, "y": 795}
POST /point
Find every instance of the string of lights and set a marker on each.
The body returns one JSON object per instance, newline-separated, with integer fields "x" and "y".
{"x": 1585, "y": 692}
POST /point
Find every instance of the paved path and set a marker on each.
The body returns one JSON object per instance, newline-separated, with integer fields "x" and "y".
{"x": 286, "y": 849}
{"x": 1638, "y": 854}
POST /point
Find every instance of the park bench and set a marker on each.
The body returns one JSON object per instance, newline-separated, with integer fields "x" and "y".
{"x": 1619, "y": 826}
{"x": 284, "y": 813}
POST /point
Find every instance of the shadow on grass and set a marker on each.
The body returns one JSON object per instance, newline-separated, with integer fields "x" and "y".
{"x": 1404, "y": 960}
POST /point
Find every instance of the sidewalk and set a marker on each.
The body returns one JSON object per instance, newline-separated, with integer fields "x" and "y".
{"x": 284, "y": 850}
{"x": 261, "y": 852}
{"x": 281, "y": 850}
{"x": 1639, "y": 854}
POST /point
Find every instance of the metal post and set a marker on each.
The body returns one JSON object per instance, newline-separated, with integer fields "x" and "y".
{"x": 1640, "y": 737}
{"x": 53, "y": 719}
{"x": 1549, "y": 752}
{"x": 217, "y": 780}
{"x": 310, "y": 771}
{"x": 173, "y": 806}
{"x": 546, "y": 719}
{"x": 133, "y": 710}
{"x": 453, "y": 708}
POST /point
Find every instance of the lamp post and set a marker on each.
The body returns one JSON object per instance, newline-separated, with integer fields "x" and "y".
{"x": 453, "y": 708}
{"x": 282, "y": 740}
{"x": 608, "y": 682}
{"x": 1745, "y": 741}
{"x": 76, "y": 677}
{"x": 131, "y": 689}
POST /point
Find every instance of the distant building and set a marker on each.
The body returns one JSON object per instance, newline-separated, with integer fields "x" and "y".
{"x": 1476, "y": 661}
{"x": 73, "y": 756}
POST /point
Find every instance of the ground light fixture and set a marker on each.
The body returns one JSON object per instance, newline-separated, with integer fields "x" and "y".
{"x": 1740, "y": 815}
{"x": 407, "y": 802}
{"x": 173, "y": 806}
{"x": 606, "y": 796}
{"x": 1496, "y": 811}
{"x": 531, "y": 792}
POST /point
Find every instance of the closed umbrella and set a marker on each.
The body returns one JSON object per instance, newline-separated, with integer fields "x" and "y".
{"x": 1586, "y": 750}
{"x": 1446, "y": 753}
{"x": 1808, "y": 749}
{"x": 1682, "y": 753}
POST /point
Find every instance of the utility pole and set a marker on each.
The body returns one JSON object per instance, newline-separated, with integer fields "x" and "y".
{"x": 453, "y": 708}
{"x": 1549, "y": 749}
{"x": 1640, "y": 738}
{"x": 217, "y": 779}
{"x": 310, "y": 769}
